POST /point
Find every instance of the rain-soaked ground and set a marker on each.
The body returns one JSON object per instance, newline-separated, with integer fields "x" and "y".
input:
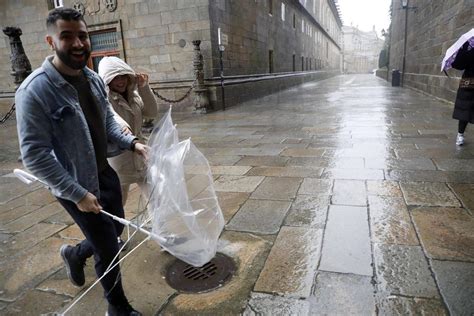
{"x": 344, "y": 196}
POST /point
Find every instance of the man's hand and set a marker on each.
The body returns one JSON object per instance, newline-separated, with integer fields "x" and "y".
{"x": 142, "y": 150}
{"x": 89, "y": 203}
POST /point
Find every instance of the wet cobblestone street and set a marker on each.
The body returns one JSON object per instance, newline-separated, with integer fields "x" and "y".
{"x": 341, "y": 197}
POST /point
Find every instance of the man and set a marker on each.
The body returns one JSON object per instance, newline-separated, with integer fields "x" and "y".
{"x": 64, "y": 123}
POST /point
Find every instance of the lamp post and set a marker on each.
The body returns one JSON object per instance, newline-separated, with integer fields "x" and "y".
{"x": 221, "y": 52}
{"x": 404, "y": 7}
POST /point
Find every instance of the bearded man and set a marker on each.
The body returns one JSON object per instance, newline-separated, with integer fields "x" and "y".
{"x": 64, "y": 122}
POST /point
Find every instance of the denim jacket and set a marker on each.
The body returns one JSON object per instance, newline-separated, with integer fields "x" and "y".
{"x": 55, "y": 142}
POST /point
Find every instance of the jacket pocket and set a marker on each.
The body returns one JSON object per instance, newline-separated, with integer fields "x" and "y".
{"x": 62, "y": 112}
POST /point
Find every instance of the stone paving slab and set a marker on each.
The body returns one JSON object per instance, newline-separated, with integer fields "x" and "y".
{"x": 429, "y": 194}
{"x": 230, "y": 170}
{"x": 269, "y": 161}
{"x": 455, "y": 164}
{"x": 266, "y": 304}
{"x": 399, "y": 305}
{"x": 275, "y": 188}
{"x": 36, "y": 197}
{"x": 353, "y": 174}
{"x": 384, "y": 188}
{"x": 456, "y": 283}
{"x": 312, "y": 186}
{"x": 390, "y": 221}
{"x": 403, "y": 164}
{"x": 308, "y": 210}
{"x": 342, "y": 294}
{"x": 237, "y": 183}
{"x": 303, "y": 152}
{"x": 465, "y": 193}
{"x": 260, "y": 216}
{"x": 290, "y": 171}
{"x": 446, "y": 233}
{"x": 346, "y": 245}
{"x": 403, "y": 270}
{"x": 35, "y": 300}
{"x": 230, "y": 202}
{"x": 349, "y": 192}
{"x": 32, "y": 218}
{"x": 430, "y": 176}
{"x": 289, "y": 271}
{"x": 19, "y": 273}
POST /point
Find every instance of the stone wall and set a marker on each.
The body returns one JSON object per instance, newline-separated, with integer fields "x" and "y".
{"x": 253, "y": 32}
{"x": 433, "y": 26}
{"x": 155, "y": 37}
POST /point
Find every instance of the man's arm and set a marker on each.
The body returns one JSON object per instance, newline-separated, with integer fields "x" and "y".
{"x": 35, "y": 135}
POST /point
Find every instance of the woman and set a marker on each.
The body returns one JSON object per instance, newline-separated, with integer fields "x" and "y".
{"x": 464, "y": 105}
{"x": 132, "y": 99}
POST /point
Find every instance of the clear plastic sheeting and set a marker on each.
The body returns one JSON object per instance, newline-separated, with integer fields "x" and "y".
{"x": 183, "y": 201}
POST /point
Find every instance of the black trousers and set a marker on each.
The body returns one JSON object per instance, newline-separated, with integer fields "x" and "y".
{"x": 101, "y": 234}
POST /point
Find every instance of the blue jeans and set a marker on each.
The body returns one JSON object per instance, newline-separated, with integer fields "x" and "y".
{"x": 101, "y": 234}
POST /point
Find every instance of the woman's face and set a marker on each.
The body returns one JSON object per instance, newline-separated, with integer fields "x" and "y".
{"x": 119, "y": 84}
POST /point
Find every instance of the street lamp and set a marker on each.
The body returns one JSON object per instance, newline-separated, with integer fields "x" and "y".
{"x": 404, "y": 4}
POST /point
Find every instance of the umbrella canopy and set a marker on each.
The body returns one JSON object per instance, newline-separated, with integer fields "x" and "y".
{"x": 452, "y": 51}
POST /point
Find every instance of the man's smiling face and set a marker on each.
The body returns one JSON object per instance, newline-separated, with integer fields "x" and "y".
{"x": 70, "y": 41}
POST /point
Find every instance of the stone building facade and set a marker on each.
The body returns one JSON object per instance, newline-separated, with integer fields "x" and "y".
{"x": 361, "y": 50}
{"x": 432, "y": 26}
{"x": 269, "y": 44}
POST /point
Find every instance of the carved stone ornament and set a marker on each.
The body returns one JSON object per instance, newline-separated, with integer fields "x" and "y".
{"x": 110, "y": 5}
{"x": 21, "y": 66}
{"x": 79, "y": 6}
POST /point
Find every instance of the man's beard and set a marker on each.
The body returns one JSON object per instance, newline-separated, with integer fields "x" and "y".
{"x": 67, "y": 59}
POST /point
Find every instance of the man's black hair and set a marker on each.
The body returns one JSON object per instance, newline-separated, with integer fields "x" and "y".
{"x": 66, "y": 14}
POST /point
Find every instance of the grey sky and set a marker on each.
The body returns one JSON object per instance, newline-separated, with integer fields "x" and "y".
{"x": 366, "y": 13}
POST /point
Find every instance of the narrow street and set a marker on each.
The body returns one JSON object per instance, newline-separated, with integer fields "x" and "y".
{"x": 342, "y": 196}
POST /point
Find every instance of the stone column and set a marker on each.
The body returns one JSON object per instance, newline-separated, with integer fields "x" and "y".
{"x": 21, "y": 66}
{"x": 201, "y": 100}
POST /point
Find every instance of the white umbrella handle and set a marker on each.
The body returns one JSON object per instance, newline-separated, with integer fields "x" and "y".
{"x": 24, "y": 176}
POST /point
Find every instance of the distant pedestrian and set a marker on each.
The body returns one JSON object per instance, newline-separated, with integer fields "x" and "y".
{"x": 132, "y": 99}
{"x": 64, "y": 123}
{"x": 464, "y": 105}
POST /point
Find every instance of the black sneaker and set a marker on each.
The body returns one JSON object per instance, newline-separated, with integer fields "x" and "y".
{"x": 74, "y": 266}
{"x": 122, "y": 310}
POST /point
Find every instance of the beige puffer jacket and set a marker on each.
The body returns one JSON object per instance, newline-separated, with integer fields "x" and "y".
{"x": 141, "y": 102}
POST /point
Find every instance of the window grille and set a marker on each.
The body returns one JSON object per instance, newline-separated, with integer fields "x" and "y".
{"x": 103, "y": 43}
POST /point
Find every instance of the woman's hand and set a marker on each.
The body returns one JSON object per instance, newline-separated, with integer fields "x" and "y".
{"x": 142, "y": 79}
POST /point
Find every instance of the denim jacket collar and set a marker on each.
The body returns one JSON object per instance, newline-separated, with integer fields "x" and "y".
{"x": 56, "y": 78}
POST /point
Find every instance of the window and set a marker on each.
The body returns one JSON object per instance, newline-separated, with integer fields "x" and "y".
{"x": 103, "y": 43}
{"x": 302, "y": 63}
{"x": 294, "y": 62}
{"x": 270, "y": 7}
{"x": 302, "y": 26}
{"x": 270, "y": 61}
{"x": 282, "y": 11}
{"x": 294, "y": 20}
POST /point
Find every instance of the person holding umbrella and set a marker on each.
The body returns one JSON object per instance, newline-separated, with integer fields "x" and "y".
{"x": 461, "y": 56}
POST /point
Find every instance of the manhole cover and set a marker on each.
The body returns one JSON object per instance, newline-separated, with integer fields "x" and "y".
{"x": 186, "y": 278}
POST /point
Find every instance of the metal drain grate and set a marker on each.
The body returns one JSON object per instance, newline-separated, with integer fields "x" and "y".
{"x": 186, "y": 278}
